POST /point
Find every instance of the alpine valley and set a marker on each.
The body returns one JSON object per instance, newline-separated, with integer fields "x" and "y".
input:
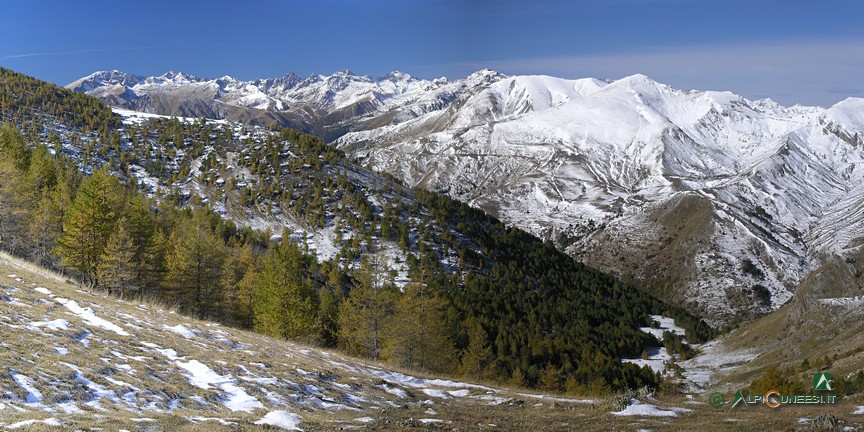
{"x": 719, "y": 203}
{"x": 392, "y": 253}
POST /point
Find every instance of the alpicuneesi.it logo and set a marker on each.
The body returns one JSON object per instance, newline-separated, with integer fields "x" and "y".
{"x": 821, "y": 382}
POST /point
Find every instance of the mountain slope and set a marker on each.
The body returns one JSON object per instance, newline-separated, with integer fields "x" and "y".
{"x": 280, "y": 232}
{"x": 583, "y": 162}
{"x": 100, "y": 361}
{"x": 74, "y": 359}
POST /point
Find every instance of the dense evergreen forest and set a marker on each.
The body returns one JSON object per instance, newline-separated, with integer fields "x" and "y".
{"x": 154, "y": 209}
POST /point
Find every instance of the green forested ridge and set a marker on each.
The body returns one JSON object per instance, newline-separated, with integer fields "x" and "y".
{"x": 482, "y": 299}
{"x": 26, "y": 101}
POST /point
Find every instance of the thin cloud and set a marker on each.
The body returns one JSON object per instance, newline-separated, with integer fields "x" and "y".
{"x": 73, "y": 52}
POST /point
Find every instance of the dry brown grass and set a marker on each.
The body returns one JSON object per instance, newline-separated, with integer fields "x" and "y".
{"x": 238, "y": 353}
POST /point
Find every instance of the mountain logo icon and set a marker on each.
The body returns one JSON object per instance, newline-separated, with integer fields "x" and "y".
{"x": 822, "y": 381}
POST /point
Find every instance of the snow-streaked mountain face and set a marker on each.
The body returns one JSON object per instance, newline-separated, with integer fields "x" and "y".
{"x": 326, "y": 105}
{"x": 721, "y": 202}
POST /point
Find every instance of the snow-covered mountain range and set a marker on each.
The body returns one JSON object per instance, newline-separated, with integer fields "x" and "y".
{"x": 719, "y": 202}
{"x": 326, "y": 105}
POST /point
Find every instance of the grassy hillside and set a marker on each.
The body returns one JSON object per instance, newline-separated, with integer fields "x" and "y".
{"x": 73, "y": 359}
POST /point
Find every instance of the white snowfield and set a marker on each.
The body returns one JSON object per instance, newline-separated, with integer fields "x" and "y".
{"x": 101, "y": 355}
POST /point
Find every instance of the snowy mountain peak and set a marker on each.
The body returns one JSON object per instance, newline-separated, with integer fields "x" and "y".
{"x": 103, "y": 79}
{"x": 485, "y": 76}
{"x": 396, "y": 76}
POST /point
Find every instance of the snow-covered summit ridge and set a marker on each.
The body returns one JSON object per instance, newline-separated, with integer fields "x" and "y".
{"x": 317, "y": 90}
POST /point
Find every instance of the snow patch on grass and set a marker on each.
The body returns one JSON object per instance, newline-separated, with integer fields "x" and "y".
{"x": 34, "y": 396}
{"x": 90, "y": 317}
{"x": 281, "y": 419}
{"x": 236, "y": 398}
{"x": 643, "y": 409}
{"x": 181, "y": 330}
{"x": 58, "y": 324}
{"x": 43, "y": 290}
{"x": 49, "y": 421}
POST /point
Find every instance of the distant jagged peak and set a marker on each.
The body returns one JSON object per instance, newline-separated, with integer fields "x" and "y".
{"x": 177, "y": 78}
{"x": 396, "y": 76}
{"x": 104, "y": 78}
{"x": 485, "y": 76}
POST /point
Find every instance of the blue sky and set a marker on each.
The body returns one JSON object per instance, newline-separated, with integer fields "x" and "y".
{"x": 809, "y": 52}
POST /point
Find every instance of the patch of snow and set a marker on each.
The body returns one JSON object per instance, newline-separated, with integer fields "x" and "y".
{"x": 434, "y": 393}
{"x": 666, "y": 324}
{"x": 281, "y": 419}
{"x": 181, "y": 330}
{"x": 58, "y": 324}
{"x": 657, "y": 358}
{"x": 556, "y": 399}
{"x": 843, "y": 301}
{"x": 90, "y": 317}
{"x": 396, "y": 391}
{"x": 642, "y": 409}
{"x": 33, "y": 396}
{"x": 196, "y": 419}
{"x": 859, "y": 410}
{"x": 432, "y": 420}
{"x": 236, "y": 398}
{"x": 42, "y": 290}
{"x": 49, "y": 421}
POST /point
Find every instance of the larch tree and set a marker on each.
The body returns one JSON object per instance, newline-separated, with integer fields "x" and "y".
{"x": 194, "y": 265}
{"x": 89, "y": 223}
{"x": 477, "y": 359}
{"x": 116, "y": 270}
{"x": 285, "y": 300}
{"x": 417, "y": 334}
{"x": 363, "y": 314}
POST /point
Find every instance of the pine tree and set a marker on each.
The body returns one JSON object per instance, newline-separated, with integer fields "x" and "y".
{"x": 237, "y": 303}
{"x": 285, "y": 302}
{"x": 549, "y": 379}
{"x": 363, "y": 314}
{"x": 116, "y": 269}
{"x": 46, "y": 226}
{"x": 328, "y": 316}
{"x": 141, "y": 227}
{"x": 517, "y": 378}
{"x": 194, "y": 265}
{"x": 416, "y": 334}
{"x": 477, "y": 358}
{"x": 14, "y": 209}
{"x": 88, "y": 224}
